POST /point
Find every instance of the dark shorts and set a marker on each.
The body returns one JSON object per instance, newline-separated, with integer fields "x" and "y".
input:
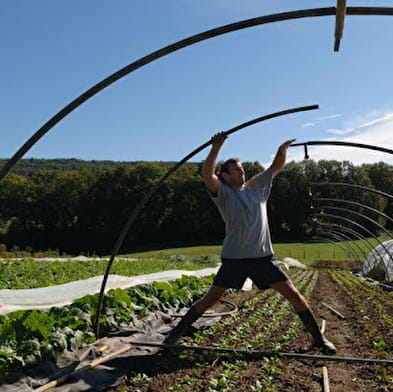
{"x": 263, "y": 271}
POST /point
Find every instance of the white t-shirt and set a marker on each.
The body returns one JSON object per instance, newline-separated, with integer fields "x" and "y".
{"x": 243, "y": 209}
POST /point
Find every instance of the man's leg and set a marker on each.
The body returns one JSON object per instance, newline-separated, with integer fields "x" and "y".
{"x": 195, "y": 311}
{"x": 301, "y": 307}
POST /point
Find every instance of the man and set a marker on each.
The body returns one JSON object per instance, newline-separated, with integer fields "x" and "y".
{"x": 247, "y": 250}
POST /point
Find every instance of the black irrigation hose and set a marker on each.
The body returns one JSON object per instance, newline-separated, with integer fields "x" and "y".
{"x": 382, "y": 11}
{"x": 135, "y": 213}
{"x": 338, "y": 143}
{"x": 267, "y": 354}
{"x": 378, "y": 192}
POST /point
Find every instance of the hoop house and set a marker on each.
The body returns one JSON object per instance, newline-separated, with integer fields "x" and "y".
{"x": 380, "y": 254}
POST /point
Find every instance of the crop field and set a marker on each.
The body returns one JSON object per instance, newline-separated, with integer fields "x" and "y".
{"x": 32, "y": 273}
{"x": 29, "y": 273}
{"x": 266, "y": 322}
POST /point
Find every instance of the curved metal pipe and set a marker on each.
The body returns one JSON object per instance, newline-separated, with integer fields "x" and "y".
{"x": 355, "y": 204}
{"x": 358, "y": 250}
{"x": 348, "y": 241}
{"x": 370, "y": 246}
{"x": 318, "y": 184}
{"x": 359, "y": 214}
{"x": 173, "y": 48}
{"x": 339, "y": 239}
{"x": 324, "y": 214}
{"x": 345, "y": 144}
{"x": 370, "y": 220}
{"x": 333, "y": 242}
{"x": 349, "y": 202}
{"x": 343, "y": 230}
{"x": 135, "y": 213}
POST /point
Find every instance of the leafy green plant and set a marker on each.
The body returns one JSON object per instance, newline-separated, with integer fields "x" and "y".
{"x": 28, "y": 273}
{"x": 29, "y": 336}
{"x": 178, "y": 258}
{"x": 263, "y": 313}
{"x": 368, "y": 299}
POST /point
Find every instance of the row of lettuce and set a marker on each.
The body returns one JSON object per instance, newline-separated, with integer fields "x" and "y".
{"x": 30, "y": 336}
{"x": 372, "y": 304}
{"x": 251, "y": 328}
{"x": 267, "y": 322}
{"x": 29, "y": 273}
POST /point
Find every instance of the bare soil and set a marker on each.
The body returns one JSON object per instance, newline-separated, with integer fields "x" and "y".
{"x": 169, "y": 371}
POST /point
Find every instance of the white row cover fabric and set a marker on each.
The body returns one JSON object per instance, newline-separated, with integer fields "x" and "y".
{"x": 64, "y": 294}
{"x": 380, "y": 254}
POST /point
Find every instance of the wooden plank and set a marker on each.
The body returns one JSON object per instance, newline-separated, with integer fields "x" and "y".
{"x": 323, "y": 326}
{"x": 337, "y": 313}
{"x": 325, "y": 379}
{"x": 340, "y": 17}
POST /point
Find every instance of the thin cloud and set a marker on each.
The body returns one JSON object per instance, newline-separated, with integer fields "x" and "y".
{"x": 336, "y": 115}
{"x": 376, "y": 121}
{"x": 366, "y": 124}
{"x": 378, "y": 133}
{"x": 320, "y": 119}
{"x": 308, "y": 124}
{"x": 340, "y": 131}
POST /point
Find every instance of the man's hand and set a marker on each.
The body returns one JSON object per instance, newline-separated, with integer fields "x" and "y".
{"x": 279, "y": 159}
{"x": 218, "y": 140}
{"x": 285, "y": 145}
{"x": 208, "y": 175}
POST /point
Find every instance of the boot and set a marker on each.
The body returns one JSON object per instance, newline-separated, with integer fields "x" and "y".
{"x": 311, "y": 325}
{"x": 190, "y": 317}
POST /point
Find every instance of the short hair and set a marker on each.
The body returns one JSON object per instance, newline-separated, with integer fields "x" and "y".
{"x": 224, "y": 167}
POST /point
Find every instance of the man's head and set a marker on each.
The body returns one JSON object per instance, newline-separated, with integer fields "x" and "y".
{"x": 231, "y": 172}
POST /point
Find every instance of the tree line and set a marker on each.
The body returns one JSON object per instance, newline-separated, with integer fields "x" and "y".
{"x": 29, "y": 166}
{"x": 84, "y": 210}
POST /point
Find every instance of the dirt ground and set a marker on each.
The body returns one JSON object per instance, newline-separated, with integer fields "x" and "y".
{"x": 190, "y": 371}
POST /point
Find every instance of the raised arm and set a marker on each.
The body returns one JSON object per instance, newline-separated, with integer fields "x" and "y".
{"x": 281, "y": 156}
{"x": 209, "y": 167}
{"x": 278, "y": 161}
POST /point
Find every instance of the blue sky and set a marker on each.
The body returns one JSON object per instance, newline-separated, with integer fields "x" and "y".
{"x": 52, "y": 51}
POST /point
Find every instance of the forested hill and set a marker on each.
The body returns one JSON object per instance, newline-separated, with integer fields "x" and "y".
{"x": 84, "y": 210}
{"x": 28, "y": 167}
